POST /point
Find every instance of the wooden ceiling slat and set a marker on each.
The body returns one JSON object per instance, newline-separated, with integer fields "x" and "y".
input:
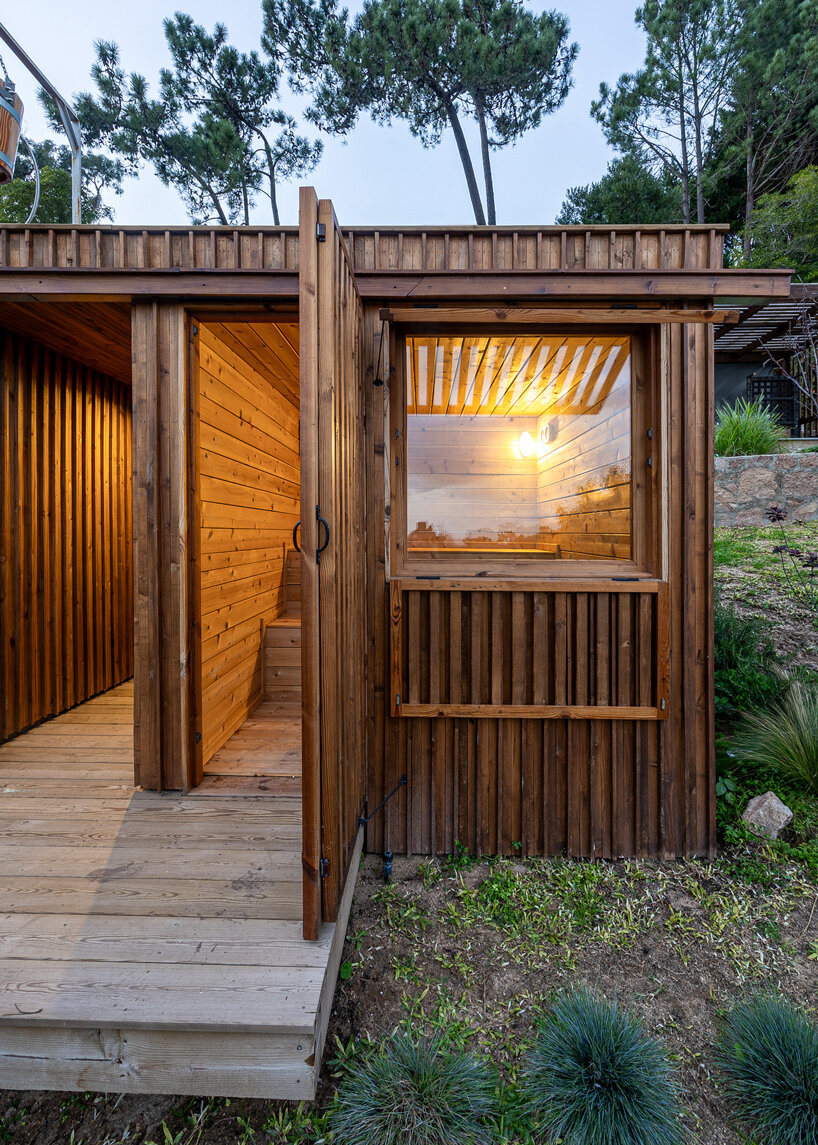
{"x": 520, "y": 375}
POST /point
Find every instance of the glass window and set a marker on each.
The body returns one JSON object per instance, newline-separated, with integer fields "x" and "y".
{"x": 519, "y": 443}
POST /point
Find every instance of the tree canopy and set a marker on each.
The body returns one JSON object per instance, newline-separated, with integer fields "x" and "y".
{"x": 99, "y": 174}
{"x": 215, "y": 132}
{"x": 668, "y": 110}
{"x": 783, "y": 230}
{"x": 432, "y": 63}
{"x": 628, "y": 192}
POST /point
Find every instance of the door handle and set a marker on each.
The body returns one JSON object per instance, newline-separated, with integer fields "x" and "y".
{"x": 296, "y": 545}
{"x": 321, "y": 521}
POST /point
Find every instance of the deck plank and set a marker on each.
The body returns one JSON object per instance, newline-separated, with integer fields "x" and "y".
{"x": 154, "y": 942}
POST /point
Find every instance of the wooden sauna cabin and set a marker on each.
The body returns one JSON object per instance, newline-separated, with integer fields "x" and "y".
{"x": 288, "y": 515}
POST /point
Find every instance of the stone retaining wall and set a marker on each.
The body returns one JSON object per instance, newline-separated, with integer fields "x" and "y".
{"x": 745, "y": 486}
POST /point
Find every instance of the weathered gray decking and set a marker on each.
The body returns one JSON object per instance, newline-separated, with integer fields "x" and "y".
{"x": 153, "y": 942}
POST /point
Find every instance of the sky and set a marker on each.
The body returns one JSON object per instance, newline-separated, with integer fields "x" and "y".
{"x": 377, "y": 175}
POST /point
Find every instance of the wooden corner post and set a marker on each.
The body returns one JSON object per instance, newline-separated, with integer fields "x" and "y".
{"x": 160, "y": 530}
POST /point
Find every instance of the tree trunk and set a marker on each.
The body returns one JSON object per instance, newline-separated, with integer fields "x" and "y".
{"x": 749, "y": 193}
{"x": 683, "y": 141}
{"x": 491, "y": 209}
{"x": 465, "y": 159}
{"x": 697, "y": 120}
{"x": 214, "y": 200}
{"x": 245, "y": 202}
{"x": 271, "y": 175}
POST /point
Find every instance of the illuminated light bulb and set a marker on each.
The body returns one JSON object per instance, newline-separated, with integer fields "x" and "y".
{"x": 526, "y": 444}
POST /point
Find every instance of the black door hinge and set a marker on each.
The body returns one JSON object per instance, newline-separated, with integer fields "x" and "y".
{"x": 323, "y": 868}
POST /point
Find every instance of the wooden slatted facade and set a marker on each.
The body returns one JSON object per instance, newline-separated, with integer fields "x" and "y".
{"x": 539, "y": 667}
{"x": 66, "y": 556}
{"x": 483, "y": 728}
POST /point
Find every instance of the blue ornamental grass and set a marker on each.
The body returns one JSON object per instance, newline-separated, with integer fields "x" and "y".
{"x": 595, "y": 1077}
{"x": 415, "y": 1092}
{"x": 768, "y": 1055}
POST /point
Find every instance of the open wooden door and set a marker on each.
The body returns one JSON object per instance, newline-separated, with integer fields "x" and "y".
{"x": 332, "y": 559}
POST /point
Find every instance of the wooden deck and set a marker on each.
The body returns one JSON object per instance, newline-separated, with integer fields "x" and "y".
{"x": 152, "y": 943}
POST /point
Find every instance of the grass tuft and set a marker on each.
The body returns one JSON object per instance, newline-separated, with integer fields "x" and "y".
{"x": 768, "y": 1054}
{"x": 748, "y": 428}
{"x": 594, "y": 1077}
{"x": 785, "y": 738}
{"x": 746, "y": 675}
{"x": 415, "y": 1092}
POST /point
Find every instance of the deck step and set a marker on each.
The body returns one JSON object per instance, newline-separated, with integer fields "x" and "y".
{"x": 282, "y": 660}
{"x": 292, "y": 583}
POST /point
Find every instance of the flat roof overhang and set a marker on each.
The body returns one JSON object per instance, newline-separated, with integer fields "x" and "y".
{"x": 731, "y": 287}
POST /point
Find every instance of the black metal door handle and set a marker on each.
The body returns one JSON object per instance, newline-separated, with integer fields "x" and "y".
{"x": 296, "y": 545}
{"x": 321, "y": 521}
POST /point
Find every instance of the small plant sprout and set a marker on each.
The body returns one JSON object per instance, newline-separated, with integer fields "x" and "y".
{"x": 415, "y": 1092}
{"x": 768, "y": 1054}
{"x": 594, "y": 1077}
{"x": 800, "y": 567}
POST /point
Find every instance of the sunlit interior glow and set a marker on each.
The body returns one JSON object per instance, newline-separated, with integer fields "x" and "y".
{"x": 519, "y": 443}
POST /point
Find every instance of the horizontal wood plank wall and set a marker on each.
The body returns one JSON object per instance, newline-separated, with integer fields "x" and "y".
{"x": 249, "y": 486}
{"x": 66, "y": 557}
{"x": 373, "y": 250}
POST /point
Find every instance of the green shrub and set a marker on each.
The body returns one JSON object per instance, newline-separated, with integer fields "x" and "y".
{"x": 594, "y": 1077}
{"x": 746, "y": 675}
{"x": 768, "y": 1054}
{"x": 415, "y": 1093}
{"x": 748, "y": 428}
{"x": 784, "y": 739}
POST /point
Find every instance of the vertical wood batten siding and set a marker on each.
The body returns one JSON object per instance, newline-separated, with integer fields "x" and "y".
{"x": 66, "y": 580}
{"x": 342, "y": 568}
{"x": 370, "y": 250}
{"x": 595, "y": 787}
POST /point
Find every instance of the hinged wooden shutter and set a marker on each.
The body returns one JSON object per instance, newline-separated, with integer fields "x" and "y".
{"x": 333, "y": 581}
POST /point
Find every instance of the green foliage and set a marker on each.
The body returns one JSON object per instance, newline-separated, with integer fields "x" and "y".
{"x": 783, "y": 230}
{"x": 767, "y": 130}
{"x": 99, "y": 174}
{"x": 747, "y": 428}
{"x": 414, "y": 1092}
{"x": 746, "y": 666}
{"x": 216, "y": 133}
{"x": 594, "y": 1077}
{"x": 729, "y": 549}
{"x": 629, "y": 192}
{"x": 431, "y": 63}
{"x": 668, "y": 110}
{"x": 784, "y": 739}
{"x": 768, "y": 1054}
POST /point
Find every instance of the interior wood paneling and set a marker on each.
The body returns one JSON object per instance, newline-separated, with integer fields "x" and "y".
{"x": 96, "y": 333}
{"x": 66, "y": 555}
{"x": 249, "y": 498}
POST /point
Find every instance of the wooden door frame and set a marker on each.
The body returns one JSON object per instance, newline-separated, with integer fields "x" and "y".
{"x": 194, "y": 316}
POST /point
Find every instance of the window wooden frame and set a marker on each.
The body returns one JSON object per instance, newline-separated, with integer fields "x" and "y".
{"x": 647, "y": 469}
